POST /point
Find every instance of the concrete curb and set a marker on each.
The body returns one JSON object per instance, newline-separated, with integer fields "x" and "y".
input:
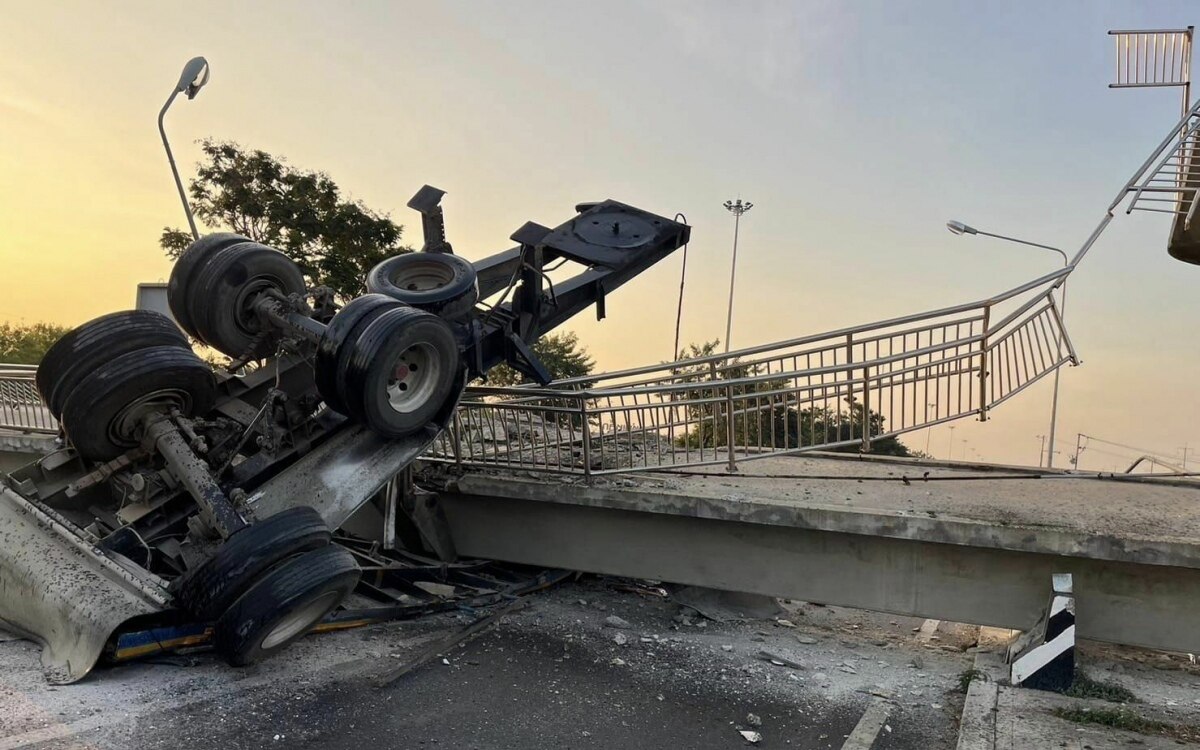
{"x": 977, "y": 727}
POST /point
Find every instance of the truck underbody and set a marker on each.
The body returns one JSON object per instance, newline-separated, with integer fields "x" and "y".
{"x": 184, "y": 495}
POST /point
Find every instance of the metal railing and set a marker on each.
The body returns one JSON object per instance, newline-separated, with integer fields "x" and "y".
{"x": 1153, "y": 58}
{"x": 849, "y": 387}
{"x": 1170, "y": 185}
{"x": 21, "y": 407}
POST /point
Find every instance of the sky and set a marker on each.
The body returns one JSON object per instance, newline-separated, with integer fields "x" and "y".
{"x": 857, "y": 129}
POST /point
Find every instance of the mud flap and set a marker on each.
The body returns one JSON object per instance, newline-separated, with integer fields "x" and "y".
{"x": 61, "y": 593}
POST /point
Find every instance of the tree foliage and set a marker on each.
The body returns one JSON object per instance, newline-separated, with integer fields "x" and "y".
{"x": 334, "y": 240}
{"x": 772, "y": 419}
{"x": 26, "y": 343}
{"x": 559, "y": 352}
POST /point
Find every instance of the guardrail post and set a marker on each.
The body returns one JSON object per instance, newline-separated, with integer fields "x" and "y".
{"x": 456, "y": 437}
{"x": 866, "y": 436}
{"x": 586, "y": 433}
{"x": 865, "y": 447}
{"x": 983, "y": 364}
{"x": 730, "y": 432}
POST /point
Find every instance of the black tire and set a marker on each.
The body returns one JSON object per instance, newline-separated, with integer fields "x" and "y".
{"x": 400, "y": 371}
{"x": 285, "y": 604}
{"x": 220, "y": 298}
{"x": 81, "y": 351}
{"x": 440, "y": 283}
{"x": 101, "y": 415}
{"x": 182, "y": 273}
{"x": 210, "y": 588}
{"x": 361, "y": 310}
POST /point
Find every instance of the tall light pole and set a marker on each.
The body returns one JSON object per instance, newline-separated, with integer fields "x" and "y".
{"x": 950, "y": 457}
{"x": 191, "y": 80}
{"x": 737, "y": 208}
{"x": 1042, "y": 450}
{"x": 957, "y": 227}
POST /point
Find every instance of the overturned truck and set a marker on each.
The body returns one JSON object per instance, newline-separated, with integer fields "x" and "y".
{"x": 185, "y": 492}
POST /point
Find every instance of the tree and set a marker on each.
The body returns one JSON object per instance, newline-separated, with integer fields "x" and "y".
{"x": 24, "y": 344}
{"x": 334, "y": 240}
{"x": 559, "y": 352}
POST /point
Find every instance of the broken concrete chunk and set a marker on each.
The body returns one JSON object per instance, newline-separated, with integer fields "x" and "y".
{"x": 612, "y": 621}
{"x": 807, "y": 640}
{"x": 754, "y": 720}
{"x": 750, "y": 736}
{"x": 620, "y": 639}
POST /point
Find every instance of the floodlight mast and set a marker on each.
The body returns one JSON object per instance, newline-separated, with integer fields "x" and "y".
{"x": 191, "y": 80}
{"x": 737, "y": 208}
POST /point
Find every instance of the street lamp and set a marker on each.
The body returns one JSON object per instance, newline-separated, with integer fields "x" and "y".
{"x": 191, "y": 80}
{"x": 737, "y": 208}
{"x": 959, "y": 228}
{"x": 950, "y": 456}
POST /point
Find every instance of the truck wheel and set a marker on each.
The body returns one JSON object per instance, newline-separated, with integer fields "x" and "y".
{"x": 400, "y": 371}
{"x": 81, "y": 351}
{"x": 285, "y": 604}
{"x": 102, "y": 415}
{"x": 210, "y": 588}
{"x": 183, "y": 272}
{"x": 440, "y": 283}
{"x": 226, "y": 284}
{"x": 357, "y": 313}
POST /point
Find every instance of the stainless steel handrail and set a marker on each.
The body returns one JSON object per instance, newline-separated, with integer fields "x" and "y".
{"x": 21, "y": 407}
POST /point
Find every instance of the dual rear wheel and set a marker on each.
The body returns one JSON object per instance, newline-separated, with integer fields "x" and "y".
{"x": 103, "y": 378}
{"x": 391, "y": 367}
{"x": 269, "y": 584}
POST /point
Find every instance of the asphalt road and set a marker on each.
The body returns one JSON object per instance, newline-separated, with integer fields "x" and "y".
{"x": 550, "y": 677}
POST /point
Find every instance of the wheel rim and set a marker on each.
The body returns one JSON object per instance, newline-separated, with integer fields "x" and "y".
{"x": 414, "y": 377}
{"x": 300, "y": 620}
{"x": 424, "y": 276}
{"x": 125, "y": 427}
{"x": 245, "y": 314}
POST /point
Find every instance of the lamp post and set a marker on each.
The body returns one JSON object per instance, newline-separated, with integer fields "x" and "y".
{"x": 737, "y": 208}
{"x": 1042, "y": 450}
{"x": 191, "y": 80}
{"x": 950, "y": 456}
{"x": 959, "y": 228}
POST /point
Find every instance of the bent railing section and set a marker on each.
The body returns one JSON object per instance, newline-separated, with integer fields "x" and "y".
{"x": 847, "y": 388}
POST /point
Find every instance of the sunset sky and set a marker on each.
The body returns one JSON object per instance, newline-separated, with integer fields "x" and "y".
{"x": 857, "y": 129}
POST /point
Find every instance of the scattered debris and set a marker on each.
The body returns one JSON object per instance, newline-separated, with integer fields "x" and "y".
{"x": 807, "y": 640}
{"x": 750, "y": 736}
{"x": 754, "y": 720}
{"x": 785, "y": 623}
{"x": 779, "y": 661}
{"x": 612, "y": 621}
{"x": 443, "y": 645}
{"x": 620, "y": 639}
